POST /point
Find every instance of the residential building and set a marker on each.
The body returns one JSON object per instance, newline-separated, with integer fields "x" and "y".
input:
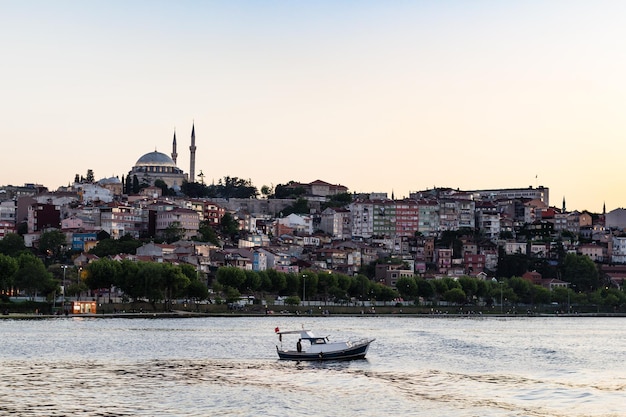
{"x": 186, "y": 219}
{"x": 407, "y": 217}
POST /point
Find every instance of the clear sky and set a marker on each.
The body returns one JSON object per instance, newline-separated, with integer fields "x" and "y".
{"x": 374, "y": 95}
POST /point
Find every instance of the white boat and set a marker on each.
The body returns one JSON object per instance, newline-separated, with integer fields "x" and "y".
{"x": 310, "y": 347}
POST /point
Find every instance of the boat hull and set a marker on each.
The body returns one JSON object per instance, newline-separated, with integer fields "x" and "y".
{"x": 354, "y": 352}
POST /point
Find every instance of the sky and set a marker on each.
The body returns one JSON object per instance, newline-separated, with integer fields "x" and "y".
{"x": 378, "y": 96}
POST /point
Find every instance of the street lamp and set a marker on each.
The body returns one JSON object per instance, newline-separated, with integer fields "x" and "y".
{"x": 495, "y": 281}
{"x": 303, "y": 288}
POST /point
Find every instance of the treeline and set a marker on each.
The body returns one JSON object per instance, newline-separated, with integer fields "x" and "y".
{"x": 305, "y": 285}
{"x": 507, "y": 291}
{"x": 152, "y": 281}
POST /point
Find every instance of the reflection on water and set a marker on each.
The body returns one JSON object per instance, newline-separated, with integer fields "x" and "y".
{"x": 220, "y": 367}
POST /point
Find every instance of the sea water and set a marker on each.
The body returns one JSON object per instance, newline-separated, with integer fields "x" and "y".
{"x": 418, "y": 366}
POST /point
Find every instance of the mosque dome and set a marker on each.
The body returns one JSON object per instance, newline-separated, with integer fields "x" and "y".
{"x": 155, "y": 159}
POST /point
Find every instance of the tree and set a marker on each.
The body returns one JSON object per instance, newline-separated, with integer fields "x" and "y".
{"x": 128, "y": 280}
{"x": 151, "y": 276}
{"x": 384, "y": 293}
{"x": 231, "y": 276}
{"x": 197, "y": 290}
{"x": 90, "y": 177}
{"x": 175, "y": 282}
{"x": 135, "y": 186}
{"x": 514, "y": 265}
{"x": 109, "y": 247}
{"x": 207, "y": 233}
{"x": 165, "y": 190}
{"x": 173, "y": 232}
{"x": 288, "y": 190}
{"x": 12, "y": 245}
{"x": 469, "y": 286}
{"x": 360, "y": 287}
{"x": 338, "y": 200}
{"x": 426, "y": 289}
{"x": 580, "y": 272}
{"x": 266, "y": 191}
{"x": 233, "y": 187}
{"x": 52, "y": 243}
{"x": 8, "y": 268}
{"x": 32, "y": 276}
{"x": 407, "y": 287}
{"x": 194, "y": 189}
{"x": 102, "y": 273}
{"x": 301, "y": 206}
{"x": 253, "y": 280}
{"x": 229, "y": 225}
{"x": 278, "y": 280}
{"x": 455, "y": 295}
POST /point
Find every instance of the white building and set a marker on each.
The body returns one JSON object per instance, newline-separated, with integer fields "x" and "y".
{"x": 618, "y": 250}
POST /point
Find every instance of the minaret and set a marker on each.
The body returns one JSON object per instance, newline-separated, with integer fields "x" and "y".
{"x": 174, "y": 154}
{"x": 192, "y": 156}
{"x": 563, "y": 204}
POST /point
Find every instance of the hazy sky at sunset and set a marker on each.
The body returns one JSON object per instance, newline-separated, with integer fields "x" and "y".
{"x": 374, "y": 95}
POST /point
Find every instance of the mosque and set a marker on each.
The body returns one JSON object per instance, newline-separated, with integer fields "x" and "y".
{"x": 158, "y": 166}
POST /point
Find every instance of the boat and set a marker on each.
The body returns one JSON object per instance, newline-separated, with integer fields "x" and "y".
{"x": 320, "y": 348}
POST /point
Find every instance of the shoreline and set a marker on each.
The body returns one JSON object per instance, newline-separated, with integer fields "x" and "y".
{"x": 188, "y": 314}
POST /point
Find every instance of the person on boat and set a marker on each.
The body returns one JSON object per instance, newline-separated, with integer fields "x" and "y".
{"x": 299, "y": 345}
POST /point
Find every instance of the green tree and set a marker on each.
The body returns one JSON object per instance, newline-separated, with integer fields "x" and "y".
{"x": 135, "y": 185}
{"x": 175, "y": 283}
{"x": 455, "y": 295}
{"x": 165, "y": 190}
{"x": 102, "y": 273}
{"x": 540, "y": 295}
{"x": 207, "y": 233}
{"x": 338, "y": 200}
{"x": 384, "y": 293}
{"x": 110, "y": 247}
{"x": 174, "y": 232}
{"x": 325, "y": 282}
{"x": 522, "y": 289}
{"x": 300, "y": 206}
{"x": 151, "y": 276}
{"x": 233, "y": 187}
{"x": 266, "y": 191}
{"x": 128, "y": 280}
{"x": 514, "y": 265}
{"x": 278, "y": 280}
{"x": 8, "y": 268}
{"x": 230, "y": 276}
{"x": 580, "y": 272}
{"x": 253, "y": 280}
{"x": 288, "y": 190}
{"x": 32, "y": 276}
{"x": 360, "y": 287}
{"x": 197, "y": 290}
{"x": 189, "y": 271}
{"x": 51, "y": 244}
{"x": 425, "y": 288}
{"x": 293, "y": 300}
{"x": 469, "y": 286}
{"x": 229, "y": 226}
{"x": 407, "y": 287}
{"x": 90, "y": 176}
{"x": 12, "y": 245}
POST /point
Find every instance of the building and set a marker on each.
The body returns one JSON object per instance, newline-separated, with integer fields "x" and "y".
{"x": 540, "y": 193}
{"x": 157, "y": 166}
{"x": 186, "y": 219}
